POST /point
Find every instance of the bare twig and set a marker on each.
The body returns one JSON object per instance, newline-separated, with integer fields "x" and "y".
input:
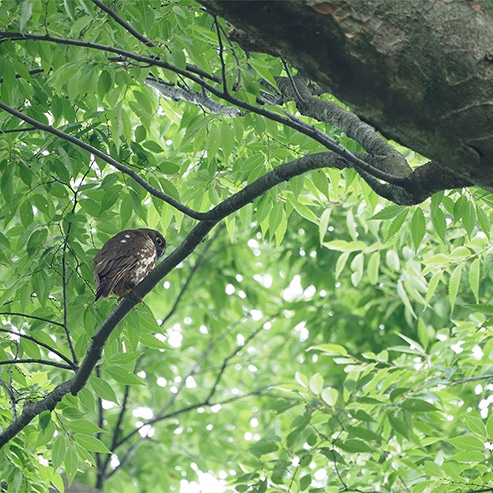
{"x": 221, "y": 55}
{"x": 188, "y": 280}
{"x": 124, "y": 169}
{"x": 472, "y": 379}
{"x": 124, "y": 24}
{"x": 11, "y": 397}
{"x": 42, "y": 344}
{"x": 35, "y": 360}
{"x": 33, "y": 317}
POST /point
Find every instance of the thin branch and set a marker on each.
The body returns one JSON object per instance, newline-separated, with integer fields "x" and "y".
{"x": 221, "y": 56}
{"x": 192, "y": 372}
{"x": 64, "y": 294}
{"x": 124, "y": 24}
{"x": 17, "y": 130}
{"x": 34, "y": 360}
{"x": 296, "y": 91}
{"x": 183, "y": 410}
{"x": 42, "y": 344}
{"x": 33, "y": 317}
{"x": 34, "y": 71}
{"x": 124, "y": 169}
{"x": 188, "y": 280}
{"x": 101, "y": 470}
{"x": 11, "y": 397}
{"x": 226, "y": 360}
{"x": 471, "y": 379}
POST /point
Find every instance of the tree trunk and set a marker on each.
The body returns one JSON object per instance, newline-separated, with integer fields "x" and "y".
{"x": 420, "y": 71}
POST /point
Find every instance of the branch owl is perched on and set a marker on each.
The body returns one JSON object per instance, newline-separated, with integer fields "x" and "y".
{"x": 125, "y": 260}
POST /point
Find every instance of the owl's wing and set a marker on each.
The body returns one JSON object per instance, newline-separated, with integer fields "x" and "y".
{"x": 117, "y": 258}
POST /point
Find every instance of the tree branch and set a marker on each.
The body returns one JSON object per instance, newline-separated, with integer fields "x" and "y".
{"x": 302, "y": 127}
{"x": 11, "y": 397}
{"x": 124, "y": 24}
{"x": 124, "y": 169}
{"x": 35, "y": 360}
{"x": 42, "y": 344}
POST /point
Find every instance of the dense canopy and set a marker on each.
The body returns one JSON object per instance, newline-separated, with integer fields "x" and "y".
{"x": 321, "y": 321}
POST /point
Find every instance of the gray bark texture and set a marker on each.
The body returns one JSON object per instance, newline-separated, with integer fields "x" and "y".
{"x": 419, "y": 71}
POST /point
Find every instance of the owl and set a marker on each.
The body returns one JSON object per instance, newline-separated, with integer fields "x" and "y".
{"x": 125, "y": 260}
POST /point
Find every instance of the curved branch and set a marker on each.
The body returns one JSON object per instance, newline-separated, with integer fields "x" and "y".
{"x": 122, "y": 23}
{"x": 194, "y": 238}
{"x": 296, "y": 124}
{"x": 34, "y": 360}
{"x": 11, "y": 397}
{"x": 33, "y": 317}
{"x": 121, "y": 167}
{"x": 42, "y": 344}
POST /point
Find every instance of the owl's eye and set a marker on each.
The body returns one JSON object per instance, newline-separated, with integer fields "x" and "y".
{"x": 159, "y": 241}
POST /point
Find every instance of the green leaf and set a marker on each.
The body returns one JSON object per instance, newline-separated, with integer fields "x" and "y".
{"x": 341, "y": 263}
{"x": 321, "y": 182}
{"x": 58, "y": 451}
{"x": 467, "y": 443}
{"x": 474, "y": 275}
{"x": 25, "y": 14}
{"x": 373, "y": 267}
{"x": 453, "y": 285}
{"x": 397, "y": 223}
{"x": 489, "y": 426}
{"x": 330, "y": 396}
{"x": 418, "y": 227}
{"x": 90, "y": 443}
{"x": 389, "y": 212}
{"x": 324, "y": 224}
{"x": 344, "y": 246}
{"x": 417, "y": 406}
{"x": 103, "y": 389}
{"x": 330, "y": 349}
{"x": 483, "y": 220}
{"x": 305, "y": 481}
{"x": 353, "y": 445}
{"x": 84, "y": 426}
{"x": 316, "y": 383}
{"x": 71, "y": 462}
{"x": 476, "y": 425}
{"x": 263, "y": 447}
{"x": 439, "y": 223}
{"x": 398, "y": 425}
{"x": 432, "y": 469}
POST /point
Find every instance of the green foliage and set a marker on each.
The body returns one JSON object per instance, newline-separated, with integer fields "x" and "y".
{"x": 319, "y": 339}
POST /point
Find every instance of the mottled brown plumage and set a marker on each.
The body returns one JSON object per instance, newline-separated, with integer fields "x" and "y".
{"x": 125, "y": 260}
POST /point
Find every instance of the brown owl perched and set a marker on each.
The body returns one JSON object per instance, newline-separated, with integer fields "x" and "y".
{"x": 125, "y": 260}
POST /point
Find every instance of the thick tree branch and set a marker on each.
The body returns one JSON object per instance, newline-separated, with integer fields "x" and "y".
{"x": 296, "y": 124}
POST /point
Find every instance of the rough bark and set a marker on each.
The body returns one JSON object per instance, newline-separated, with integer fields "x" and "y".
{"x": 421, "y": 71}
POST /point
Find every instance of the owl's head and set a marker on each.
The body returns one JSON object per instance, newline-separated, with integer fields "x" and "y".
{"x": 157, "y": 238}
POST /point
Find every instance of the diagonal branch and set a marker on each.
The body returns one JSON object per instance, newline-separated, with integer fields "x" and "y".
{"x": 121, "y": 167}
{"x": 42, "y": 344}
{"x": 124, "y": 24}
{"x": 35, "y": 360}
{"x": 11, "y": 397}
{"x": 296, "y": 124}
